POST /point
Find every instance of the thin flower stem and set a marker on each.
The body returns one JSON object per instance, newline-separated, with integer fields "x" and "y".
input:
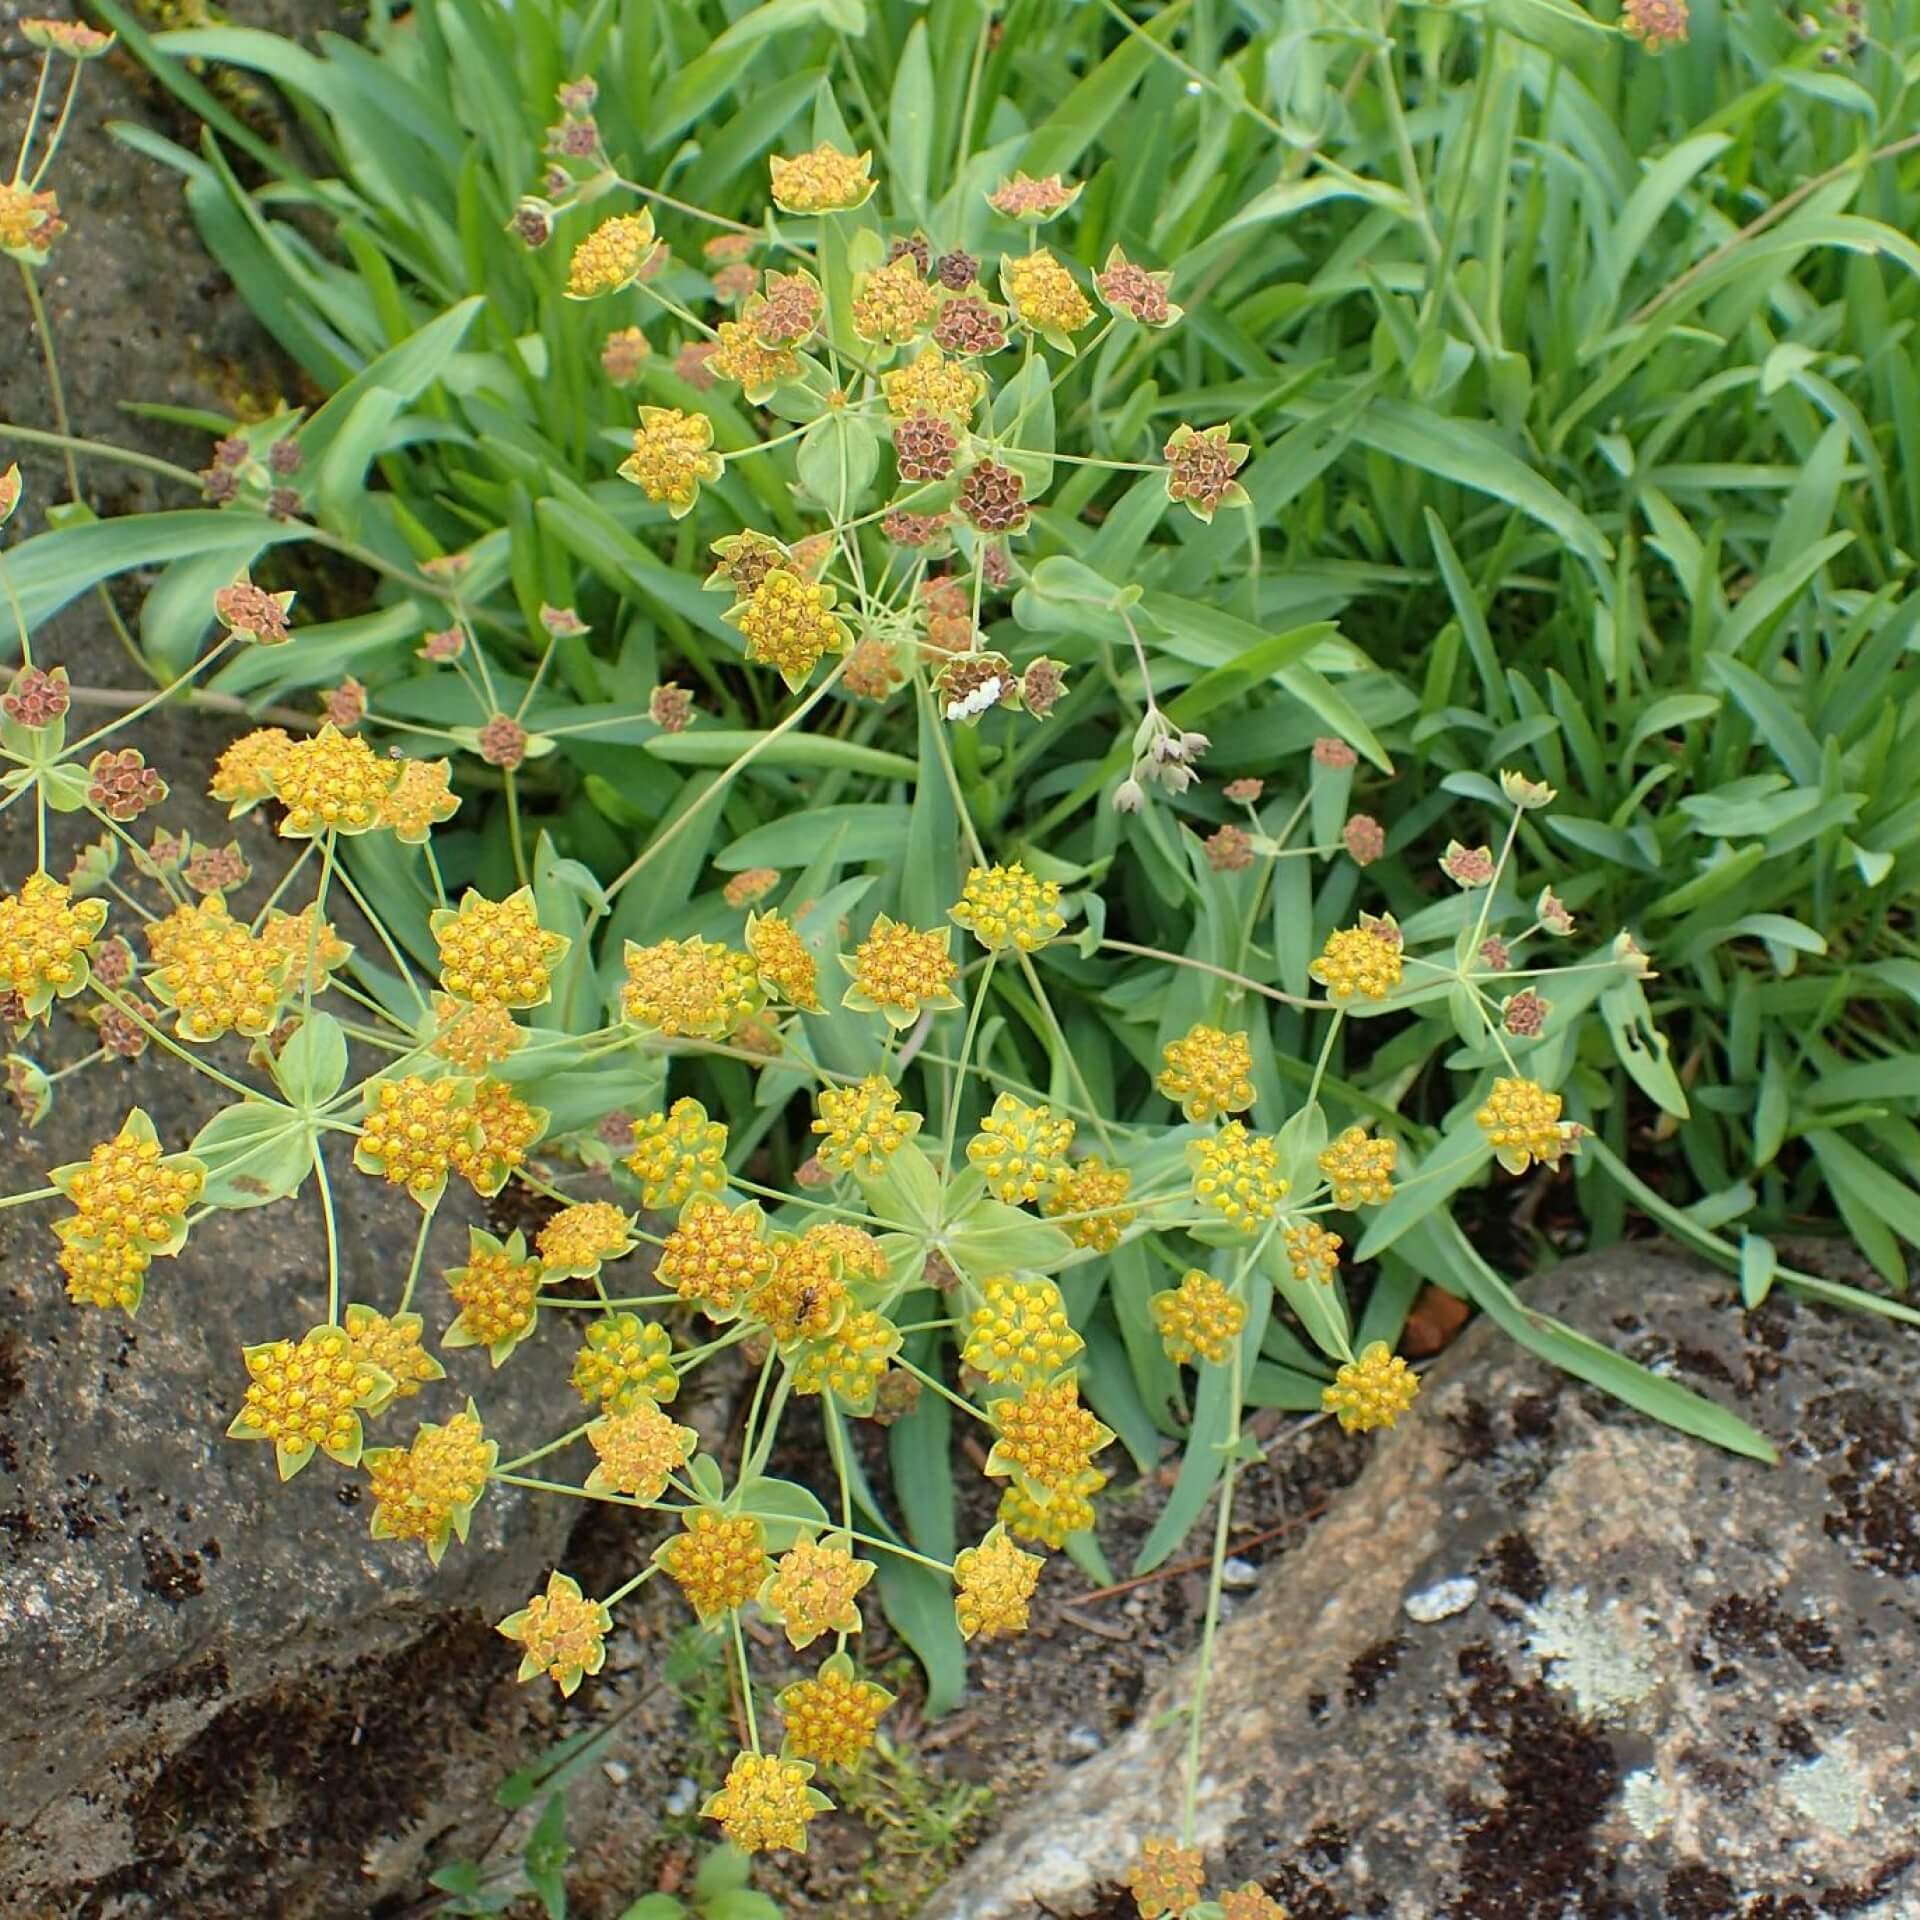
{"x": 746, "y": 1681}
{"x": 1326, "y": 1054}
{"x": 952, "y": 1129}
{"x": 553, "y": 1446}
{"x": 1224, "y": 973}
{"x": 21, "y": 1199}
{"x": 33, "y": 113}
{"x": 161, "y": 1040}
{"x": 333, "y": 1236}
{"x": 56, "y": 390}
{"x": 419, "y": 1255}
{"x": 386, "y": 939}
{"x": 945, "y": 1392}
{"x": 511, "y": 789}
{"x": 626, "y": 1587}
{"x": 59, "y": 126}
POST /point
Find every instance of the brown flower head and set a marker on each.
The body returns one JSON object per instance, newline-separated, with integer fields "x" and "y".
{"x": 122, "y": 785}
{"x": 623, "y": 353}
{"x": 1365, "y": 838}
{"x": 925, "y": 447}
{"x": 914, "y": 530}
{"x": 970, "y": 325}
{"x": 37, "y": 698}
{"x": 1020, "y": 197}
{"x": 503, "y": 742}
{"x": 1131, "y": 290}
{"x": 1201, "y": 464}
{"x": 993, "y": 498}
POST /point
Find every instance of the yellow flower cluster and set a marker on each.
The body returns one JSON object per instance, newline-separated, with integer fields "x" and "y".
{"x": 851, "y": 1362}
{"x": 495, "y": 952}
{"x": 691, "y": 986}
{"x": 814, "y": 1589}
{"x": 803, "y": 1297}
{"x": 391, "y": 1342}
{"x": 104, "y": 1276}
{"x": 1044, "y": 295}
{"x": 993, "y": 1584}
{"x": 313, "y": 953}
{"x": 624, "y": 1361}
{"x": 672, "y": 457}
{"x": 308, "y": 1395}
{"x": 717, "y": 1255}
{"x": 1312, "y": 1252}
{"x": 823, "y": 181}
{"x": 1009, "y": 907}
{"x": 243, "y": 775}
{"x": 1067, "y": 1510}
{"x": 611, "y": 256}
{"x": 422, "y": 798}
{"x": 1046, "y": 1435}
{"x": 785, "y": 964}
{"x": 128, "y": 1194}
{"x": 1358, "y": 960}
{"x": 1236, "y": 1174}
{"x": 863, "y": 1127}
{"x": 1372, "y": 1390}
{"x": 497, "y": 1292}
{"x": 1021, "y": 1151}
{"x": 214, "y": 973}
{"x": 1359, "y": 1168}
{"x": 637, "y": 1450}
{"x": 898, "y": 970}
{"x": 788, "y": 624}
{"x": 331, "y": 782}
{"x": 894, "y": 303}
{"x": 564, "y": 1633}
{"x": 427, "y": 1491}
{"x": 931, "y": 383}
{"x": 678, "y": 1154}
{"x": 1522, "y": 1123}
{"x": 1086, "y": 1200}
{"x": 718, "y": 1560}
{"x": 412, "y": 1130}
{"x": 505, "y": 1128}
{"x": 766, "y": 1803}
{"x": 578, "y": 1238}
{"x": 1167, "y": 1879}
{"x": 832, "y": 1718}
{"x": 1020, "y": 1333}
{"x": 1198, "y": 1320}
{"x": 44, "y": 937}
{"x": 1208, "y": 1072}
{"x": 474, "y": 1038}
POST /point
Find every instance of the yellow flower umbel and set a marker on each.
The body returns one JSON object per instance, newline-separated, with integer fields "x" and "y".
{"x": 1359, "y": 1169}
{"x": 672, "y": 457}
{"x": 851, "y": 1362}
{"x": 313, "y": 954}
{"x": 823, "y": 181}
{"x": 391, "y": 1342}
{"x": 677, "y": 1155}
{"x": 331, "y": 782}
{"x": 1522, "y": 1123}
{"x": 564, "y": 1633}
{"x": 127, "y": 1193}
{"x": 30, "y": 222}
{"x": 787, "y": 623}
{"x": 507, "y": 1129}
{"x": 931, "y": 383}
{"x": 861, "y": 1256}
{"x": 1006, "y": 907}
{"x": 785, "y": 964}
{"x": 1363, "y": 960}
{"x": 1086, "y": 1200}
{"x": 243, "y": 775}
{"x": 474, "y": 1038}
{"x": 575, "y": 1242}
{"x": 1167, "y": 1879}
{"x": 212, "y": 971}
{"x": 1053, "y": 1522}
{"x": 1236, "y": 1174}
{"x": 624, "y": 1361}
{"x": 308, "y": 1397}
{"x": 814, "y": 1589}
{"x": 893, "y": 303}
{"x": 766, "y": 1803}
{"x": 1371, "y": 1391}
{"x": 718, "y": 1560}
{"x": 497, "y": 1292}
{"x": 993, "y": 1584}
{"x": 690, "y": 987}
{"x": 1044, "y": 296}
{"x": 44, "y": 937}
{"x": 1020, "y": 1335}
{"x": 1020, "y": 1151}
{"x": 805, "y": 1295}
{"x": 832, "y": 1718}
{"x": 611, "y": 256}
{"x": 1208, "y": 1073}
{"x": 717, "y": 1255}
{"x": 1250, "y": 1903}
{"x": 741, "y": 356}
{"x": 422, "y": 799}
{"x": 637, "y": 1451}
{"x": 899, "y": 970}
{"x": 412, "y": 1131}
{"x": 495, "y": 952}
{"x": 863, "y": 1127}
{"x": 428, "y": 1491}
{"x": 1046, "y": 1436}
{"x": 104, "y": 1276}
{"x": 1312, "y": 1252}
{"x": 1198, "y": 1320}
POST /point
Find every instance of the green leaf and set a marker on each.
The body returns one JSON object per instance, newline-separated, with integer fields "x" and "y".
{"x": 254, "y": 1154}
{"x": 721, "y": 747}
{"x": 910, "y": 124}
{"x": 312, "y": 1062}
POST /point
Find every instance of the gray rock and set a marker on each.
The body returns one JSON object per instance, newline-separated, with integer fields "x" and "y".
{"x": 1691, "y": 1686}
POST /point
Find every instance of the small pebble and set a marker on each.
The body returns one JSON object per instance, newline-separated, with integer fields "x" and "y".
{"x": 1442, "y": 1601}
{"x": 1239, "y": 1573}
{"x": 618, "y": 1772}
{"x": 1082, "y": 1742}
{"x": 685, "y": 1793}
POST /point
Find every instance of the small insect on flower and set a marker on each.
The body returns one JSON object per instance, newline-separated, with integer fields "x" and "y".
{"x": 623, "y": 1361}
{"x": 1006, "y": 906}
{"x": 308, "y": 1396}
{"x": 994, "y": 1585}
{"x": 823, "y": 181}
{"x": 832, "y": 1717}
{"x": 564, "y": 1633}
{"x": 1208, "y": 1072}
{"x": 1521, "y": 1120}
{"x": 672, "y": 457}
{"x": 1372, "y": 1390}
{"x": 898, "y": 971}
{"x": 815, "y": 1588}
{"x": 611, "y": 257}
{"x": 863, "y": 1127}
{"x": 850, "y": 1362}
{"x": 766, "y": 1803}
{"x": 1167, "y": 1879}
{"x": 1201, "y": 464}
{"x": 427, "y": 1491}
{"x": 1198, "y": 1320}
